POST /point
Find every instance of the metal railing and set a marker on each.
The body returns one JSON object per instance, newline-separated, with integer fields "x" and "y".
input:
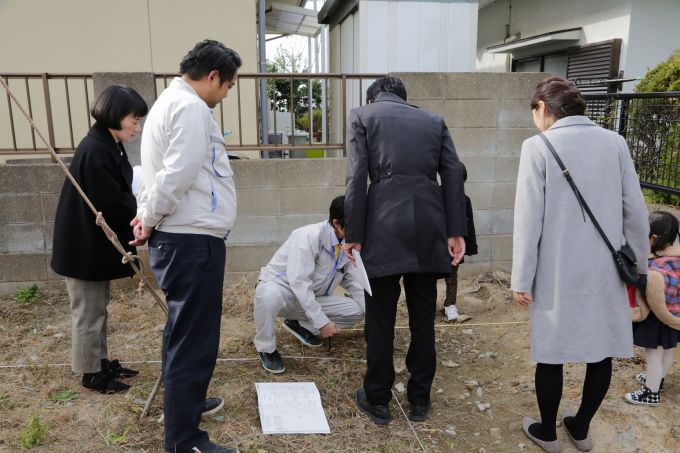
{"x": 336, "y": 102}
{"x": 650, "y": 123}
{"x": 60, "y": 105}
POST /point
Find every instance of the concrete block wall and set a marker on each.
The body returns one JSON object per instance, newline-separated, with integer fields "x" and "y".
{"x": 28, "y": 202}
{"x": 489, "y": 117}
{"x": 274, "y": 198}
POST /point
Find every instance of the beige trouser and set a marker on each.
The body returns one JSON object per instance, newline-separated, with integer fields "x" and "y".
{"x": 89, "y": 300}
{"x": 275, "y": 299}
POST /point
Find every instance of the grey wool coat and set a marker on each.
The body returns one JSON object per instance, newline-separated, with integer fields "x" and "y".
{"x": 403, "y": 219}
{"x": 580, "y": 311}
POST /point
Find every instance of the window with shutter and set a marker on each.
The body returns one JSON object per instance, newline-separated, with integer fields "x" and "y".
{"x": 589, "y": 67}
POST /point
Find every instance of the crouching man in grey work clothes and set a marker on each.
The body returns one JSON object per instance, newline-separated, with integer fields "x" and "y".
{"x": 298, "y": 285}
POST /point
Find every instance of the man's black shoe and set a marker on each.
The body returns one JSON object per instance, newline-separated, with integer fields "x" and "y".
{"x": 378, "y": 413}
{"x": 272, "y": 362}
{"x": 418, "y": 412}
{"x": 306, "y": 337}
{"x": 212, "y": 406}
{"x": 209, "y": 447}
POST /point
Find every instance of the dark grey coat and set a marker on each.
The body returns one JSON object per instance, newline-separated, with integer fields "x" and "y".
{"x": 404, "y": 218}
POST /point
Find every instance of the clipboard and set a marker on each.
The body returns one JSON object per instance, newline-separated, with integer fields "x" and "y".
{"x": 360, "y": 272}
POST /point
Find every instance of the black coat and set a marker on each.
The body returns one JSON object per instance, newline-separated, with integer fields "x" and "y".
{"x": 404, "y": 218}
{"x": 81, "y": 249}
{"x": 471, "y": 238}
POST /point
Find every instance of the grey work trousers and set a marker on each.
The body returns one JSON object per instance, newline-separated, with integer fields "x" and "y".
{"x": 89, "y": 301}
{"x": 275, "y": 299}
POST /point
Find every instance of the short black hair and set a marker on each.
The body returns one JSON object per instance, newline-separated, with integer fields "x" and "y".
{"x": 664, "y": 226}
{"x": 337, "y": 210}
{"x": 115, "y": 103}
{"x": 210, "y": 55}
{"x": 387, "y": 84}
{"x": 372, "y": 92}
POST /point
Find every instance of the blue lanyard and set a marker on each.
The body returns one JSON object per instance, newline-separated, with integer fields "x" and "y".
{"x": 212, "y": 163}
{"x": 213, "y": 195}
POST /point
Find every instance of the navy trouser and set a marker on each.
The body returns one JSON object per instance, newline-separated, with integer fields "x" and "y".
{"x": 189, "y": 268}
{"x": 381, "y": 312}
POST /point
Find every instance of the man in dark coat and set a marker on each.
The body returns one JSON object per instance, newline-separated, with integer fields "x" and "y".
{"x": 405, "y": 225}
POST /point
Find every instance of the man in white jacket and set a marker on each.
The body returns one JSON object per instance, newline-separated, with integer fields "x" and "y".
{"x": 186, "y": 209}
{"x": 298, "y": 285}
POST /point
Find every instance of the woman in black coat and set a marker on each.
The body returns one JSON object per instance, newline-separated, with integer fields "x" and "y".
{"x": 81, "y": 252}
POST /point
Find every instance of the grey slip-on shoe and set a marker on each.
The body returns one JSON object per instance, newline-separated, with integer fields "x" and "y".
{"x": 554, "y": 446}
{"x": 582, "y": 445}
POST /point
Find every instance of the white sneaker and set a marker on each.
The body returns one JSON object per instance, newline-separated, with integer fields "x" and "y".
{"x": 451, "y": 312}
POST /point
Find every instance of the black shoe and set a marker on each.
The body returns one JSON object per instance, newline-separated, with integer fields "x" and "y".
{"x": 103, "y": 382}
{"x": 306, "y": 337}
{"x": 418, "y": 412}
{"x": 378, "y": 413}
{"x": 209, "y": 447}
{"x": 272, "y": 362}
{"x": 117, "y": 370}
{"x": 212, "y": 406}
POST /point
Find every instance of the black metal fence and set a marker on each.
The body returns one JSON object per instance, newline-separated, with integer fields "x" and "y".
{"x": 650, "y": 123}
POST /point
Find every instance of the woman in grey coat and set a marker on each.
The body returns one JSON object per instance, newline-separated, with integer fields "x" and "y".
{"x": 562, "y": 267}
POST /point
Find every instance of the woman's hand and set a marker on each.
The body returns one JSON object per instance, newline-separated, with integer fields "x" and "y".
{"x": 523, "y": 299}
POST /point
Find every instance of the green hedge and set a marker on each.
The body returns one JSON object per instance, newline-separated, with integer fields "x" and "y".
{"x": 659, "y": 118}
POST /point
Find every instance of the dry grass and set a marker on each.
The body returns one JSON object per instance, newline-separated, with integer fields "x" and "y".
{"x": 37, "y": 334}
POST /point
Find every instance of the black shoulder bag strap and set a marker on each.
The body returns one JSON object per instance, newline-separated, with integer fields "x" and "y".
{"x": 579, "y": 197}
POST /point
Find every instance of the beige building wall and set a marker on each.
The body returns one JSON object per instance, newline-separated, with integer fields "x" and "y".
{"x": 74, "y": 36}
{"x": 121, "y": 35}
{"x": 86, "y": 36}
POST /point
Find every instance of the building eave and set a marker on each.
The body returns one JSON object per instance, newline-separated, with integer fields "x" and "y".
{"x": 335, "y": 11}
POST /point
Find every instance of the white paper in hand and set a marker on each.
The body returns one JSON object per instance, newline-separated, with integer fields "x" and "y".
{"x": 360, "y": 272}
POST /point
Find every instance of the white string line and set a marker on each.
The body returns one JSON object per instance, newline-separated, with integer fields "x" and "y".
{"x": 409, "y": 422}
{"x": 234, "y": 359}
{"x": 458, "y": 324}
{"x": 255, "y": 359}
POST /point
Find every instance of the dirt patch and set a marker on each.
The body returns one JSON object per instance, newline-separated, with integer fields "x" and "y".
{"x": 483, "y": 386}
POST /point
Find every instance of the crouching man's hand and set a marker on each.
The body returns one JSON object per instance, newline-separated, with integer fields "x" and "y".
{"x": 329, "y": 330}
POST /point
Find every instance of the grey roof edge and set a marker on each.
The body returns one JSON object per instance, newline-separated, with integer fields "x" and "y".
{"x": 334, "y": 11}
{"x": 529, "y": 38}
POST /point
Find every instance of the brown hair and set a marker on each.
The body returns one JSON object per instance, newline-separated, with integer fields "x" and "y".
{"x": 561, "y": 97}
